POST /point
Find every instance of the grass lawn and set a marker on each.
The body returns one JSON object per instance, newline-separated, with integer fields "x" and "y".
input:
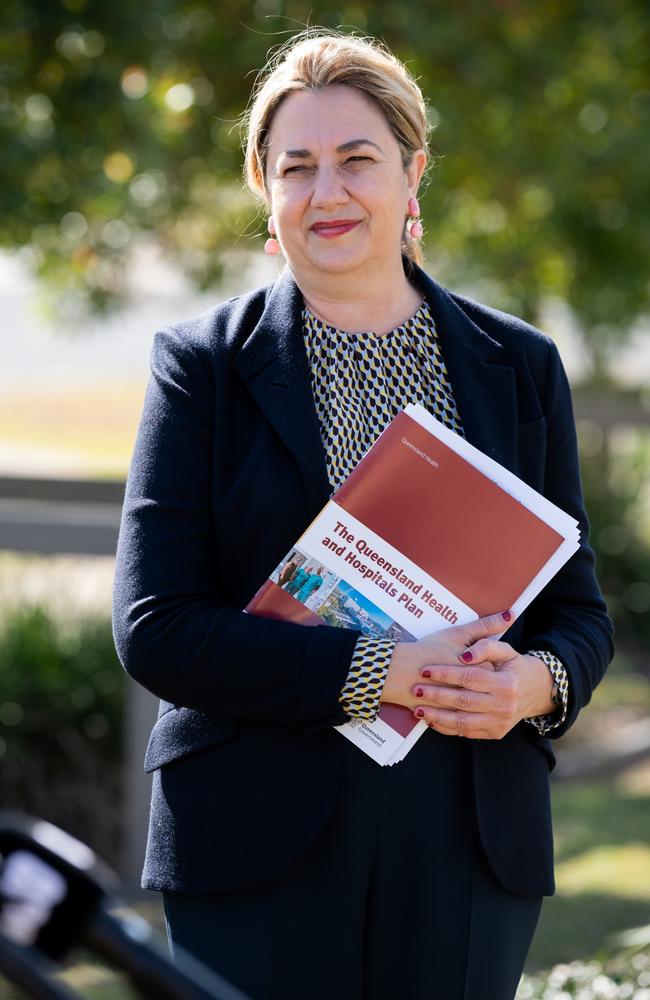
{"x": 88, "y": 432}
{"x": 602, "y": 870}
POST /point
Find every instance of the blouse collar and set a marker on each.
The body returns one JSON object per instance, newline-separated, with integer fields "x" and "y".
{"x": 420, "y": 319}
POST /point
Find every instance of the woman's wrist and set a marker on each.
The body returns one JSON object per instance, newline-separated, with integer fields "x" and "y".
{"x": 559, "y": 693}
{"x": 540, "y": 690}
{"x": 402, "y": 674}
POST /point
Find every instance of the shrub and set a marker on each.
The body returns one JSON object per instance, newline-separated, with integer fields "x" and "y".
{"x": 61, "y": 718}
{"x": 625, "y": 975}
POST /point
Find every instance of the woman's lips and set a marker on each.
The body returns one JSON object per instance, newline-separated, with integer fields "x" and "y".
{"x": 335, "y": 228}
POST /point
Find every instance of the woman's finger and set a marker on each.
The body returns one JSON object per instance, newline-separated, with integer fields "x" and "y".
{"x": 474, "y": 678}
{"x": 475, "y": 726}
{"x": 457, "y": 698}
{"x": 484, "y": 627}
{"x": 492, "y": 650}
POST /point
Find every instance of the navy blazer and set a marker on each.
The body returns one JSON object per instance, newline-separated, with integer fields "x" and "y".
{"x": 228, "y": 471}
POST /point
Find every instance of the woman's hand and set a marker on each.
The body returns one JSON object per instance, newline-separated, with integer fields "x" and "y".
{"x": 463, "y": 682}
{"x": 442, "y": 648}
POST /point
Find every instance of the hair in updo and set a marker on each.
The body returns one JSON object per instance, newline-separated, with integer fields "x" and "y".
{"x": 319, "y": 59}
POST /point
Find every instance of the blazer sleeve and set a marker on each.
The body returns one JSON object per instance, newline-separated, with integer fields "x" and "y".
{"x": 569, "y": 618}
{"x": 172, "y": 632}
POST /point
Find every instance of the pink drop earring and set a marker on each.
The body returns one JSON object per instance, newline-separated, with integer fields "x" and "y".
{"x": 271, "y": 247}
{"x": 415, "y": 229}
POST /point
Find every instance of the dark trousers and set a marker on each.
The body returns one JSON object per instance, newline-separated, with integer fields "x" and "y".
{"x": 393, "y": 902}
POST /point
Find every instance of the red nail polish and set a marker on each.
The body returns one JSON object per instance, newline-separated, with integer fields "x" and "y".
{"x": 419, "y": 712}
{"x": 419, "y": 693}
{"x": 426, "y": 672}
{"x": 506, "y": 615}
{"x": 466, "y": 656}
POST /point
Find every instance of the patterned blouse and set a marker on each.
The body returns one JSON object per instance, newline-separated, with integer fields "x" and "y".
{"x": 360, "y": 381}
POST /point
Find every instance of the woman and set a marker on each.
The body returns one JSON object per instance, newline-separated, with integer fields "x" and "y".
{"x": 289, "y": 860}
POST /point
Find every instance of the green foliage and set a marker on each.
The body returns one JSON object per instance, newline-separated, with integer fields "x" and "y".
{"x": 120, "y": 118}
{"x": 61, "y": 720}
{"x": 616, "y": 477}
{"x": 623, "y": 976}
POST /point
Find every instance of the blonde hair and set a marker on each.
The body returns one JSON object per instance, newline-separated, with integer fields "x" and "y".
{"x": 319, "y": 59}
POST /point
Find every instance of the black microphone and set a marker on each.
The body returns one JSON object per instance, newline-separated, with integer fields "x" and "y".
{"x": 56, "y": 895}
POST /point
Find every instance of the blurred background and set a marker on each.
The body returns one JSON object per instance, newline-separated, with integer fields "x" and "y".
{"x": 122, "y": 209}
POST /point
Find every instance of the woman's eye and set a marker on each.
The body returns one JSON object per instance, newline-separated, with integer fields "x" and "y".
{"x": 306, "y": 167}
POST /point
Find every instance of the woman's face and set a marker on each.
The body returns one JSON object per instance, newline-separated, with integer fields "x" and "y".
{"x": 338, "y": 190}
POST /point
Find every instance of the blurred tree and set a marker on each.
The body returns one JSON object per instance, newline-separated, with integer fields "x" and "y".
{"x": 616, "y": 480}
{"x": 118, "y": 119}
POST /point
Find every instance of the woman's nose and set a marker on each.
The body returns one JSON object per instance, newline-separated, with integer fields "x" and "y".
{"x": 328, "y": 188}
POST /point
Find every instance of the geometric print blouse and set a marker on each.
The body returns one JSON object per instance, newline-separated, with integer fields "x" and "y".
{"x": 359, "y": 382}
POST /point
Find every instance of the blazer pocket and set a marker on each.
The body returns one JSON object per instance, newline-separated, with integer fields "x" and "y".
{"x": 544, "y": 744}
{"x": 182, "y": 731}
{"x": 531, "y": 430}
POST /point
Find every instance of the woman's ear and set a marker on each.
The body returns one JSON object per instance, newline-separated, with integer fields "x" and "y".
{"x": 415, "y": 170}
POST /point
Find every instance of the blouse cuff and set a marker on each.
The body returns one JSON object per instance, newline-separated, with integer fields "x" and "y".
{"x": 361, "y": 692}
{"x": 544, "y": 723}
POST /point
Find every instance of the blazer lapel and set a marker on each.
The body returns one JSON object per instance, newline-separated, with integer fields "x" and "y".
{"x": 273, "y": 363}
{"x": 483, "y": 386}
